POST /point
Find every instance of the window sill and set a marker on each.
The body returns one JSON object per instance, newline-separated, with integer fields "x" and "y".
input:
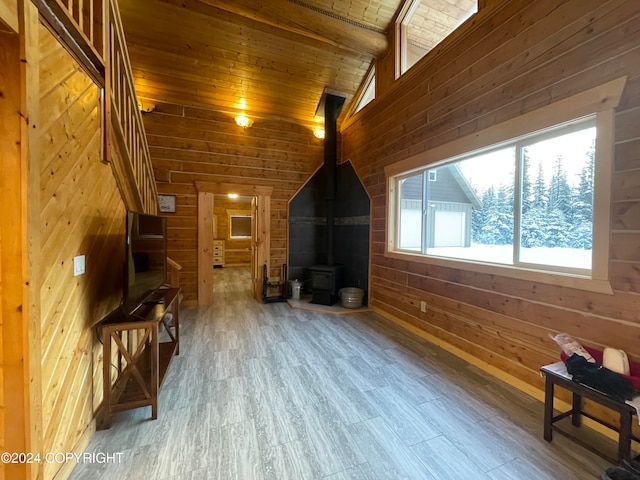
{"x": 578, "y": 282}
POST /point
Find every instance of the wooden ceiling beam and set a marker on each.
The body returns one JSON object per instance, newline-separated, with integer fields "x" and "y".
{"x": 308, "y": 23}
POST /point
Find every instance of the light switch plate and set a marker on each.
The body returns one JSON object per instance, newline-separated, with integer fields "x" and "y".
{"x": 78, "y": 265}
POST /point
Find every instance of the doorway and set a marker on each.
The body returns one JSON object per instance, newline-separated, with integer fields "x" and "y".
{"x": 233, "y": 242}
{"x": 260, "y": 244}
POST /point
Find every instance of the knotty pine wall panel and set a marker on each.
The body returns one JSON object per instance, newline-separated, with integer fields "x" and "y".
{"x": 8, "y": 15}
{"x": 519, "y": 57}
{"x": 190, "y": 144}
{"x": 82, "y": 214}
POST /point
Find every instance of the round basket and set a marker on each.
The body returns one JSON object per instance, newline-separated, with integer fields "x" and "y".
{"x": 351, "y": 297}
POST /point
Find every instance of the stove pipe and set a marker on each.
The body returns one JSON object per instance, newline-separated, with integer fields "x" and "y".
{"x": 332, "y": 106}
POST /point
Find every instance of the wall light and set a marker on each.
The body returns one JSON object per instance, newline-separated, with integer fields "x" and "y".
{"x": 146, "y": 107}
{"x": 319, "y": 133}
{"x": 243, "y": 121}
{"x": 233, "y": 195}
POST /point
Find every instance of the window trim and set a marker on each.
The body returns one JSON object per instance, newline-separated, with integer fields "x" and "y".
{"x": 407, "y": 11}
{"x": 369, "y": 79}
{"x": 601, "y": 101}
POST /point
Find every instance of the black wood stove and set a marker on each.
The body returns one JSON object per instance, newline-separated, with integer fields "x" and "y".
{"x": 326, "y": 280}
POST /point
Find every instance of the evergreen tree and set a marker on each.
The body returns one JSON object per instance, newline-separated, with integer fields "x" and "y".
{"x": 557, "y": 231}
{"x": 493, "y": 224}
{"x": 584, "y": 194}
{"x": 480, "y": 218}
{"x": 533, "y": 228}
{"x": 539, "y": 190}
{"x": 582, "y": 228}
{"x": 527, "y": 187}
{"x": 477, "y": 222}
{"x": 559, "y": 208}
{"x": 559, "y": 190}
{"x": 581, "y": 235}
{"x": 504, "y": 216}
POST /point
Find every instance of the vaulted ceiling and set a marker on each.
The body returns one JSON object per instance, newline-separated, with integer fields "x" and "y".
{"x": 269, "y": 58}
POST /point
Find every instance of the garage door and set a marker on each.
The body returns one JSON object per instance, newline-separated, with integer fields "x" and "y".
{"x": 449, "y": 229}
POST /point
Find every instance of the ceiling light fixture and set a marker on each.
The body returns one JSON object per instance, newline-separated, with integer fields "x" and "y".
{"x": 243, "y": 121}
{"x": 319, "y": 133}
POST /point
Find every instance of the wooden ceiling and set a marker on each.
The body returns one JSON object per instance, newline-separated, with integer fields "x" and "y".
{"x": 269, "y": 58}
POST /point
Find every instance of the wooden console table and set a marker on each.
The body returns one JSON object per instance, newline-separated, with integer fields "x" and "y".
{"x": 142, "y": 359}
{"x": 556, "y": 374}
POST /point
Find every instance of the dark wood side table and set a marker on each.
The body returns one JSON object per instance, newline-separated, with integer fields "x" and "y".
{"x": 142, "y": 360}
{"x": 556, "y": 374}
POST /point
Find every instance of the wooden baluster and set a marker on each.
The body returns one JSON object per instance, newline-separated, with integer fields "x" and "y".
{"x": 81, "y": 24}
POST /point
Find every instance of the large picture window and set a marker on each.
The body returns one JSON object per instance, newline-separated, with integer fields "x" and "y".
{"x": 527, "y": 198}
{"x": 524, "y": 202}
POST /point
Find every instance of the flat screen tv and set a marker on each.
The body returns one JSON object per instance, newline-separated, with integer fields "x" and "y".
{"x": 145, "y": 267}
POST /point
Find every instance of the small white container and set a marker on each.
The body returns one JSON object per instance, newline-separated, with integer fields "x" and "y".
{"x": 351, "y": 297}
{"x": 296, "y": 289}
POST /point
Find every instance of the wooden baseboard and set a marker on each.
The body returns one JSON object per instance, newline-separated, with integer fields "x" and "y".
{"x": 524, "y": 387}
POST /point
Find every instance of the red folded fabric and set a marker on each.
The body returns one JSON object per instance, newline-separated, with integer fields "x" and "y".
{"x": 634, "y": 367}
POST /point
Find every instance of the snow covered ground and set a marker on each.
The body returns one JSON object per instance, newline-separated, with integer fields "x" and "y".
{"x": 561, "y": 257}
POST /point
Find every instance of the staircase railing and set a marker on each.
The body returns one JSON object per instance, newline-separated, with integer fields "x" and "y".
{"x": 92, "y": 29}
{"x": 126, "y": 120}
{"x": 88, "y": 18}
{"x": 173, "y": 274}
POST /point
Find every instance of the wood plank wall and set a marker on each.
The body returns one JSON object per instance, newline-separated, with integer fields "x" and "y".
{"x": 190, "y": 144}
{"x": 82, "y": 214}
{"x": 8, "y": 15}
{"x": 522, "y": 56}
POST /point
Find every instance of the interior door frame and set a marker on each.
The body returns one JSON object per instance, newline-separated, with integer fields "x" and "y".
{"x": 262, "y": 241}
{"x": 254, "y": 245}
{"x": 20, "y": 222}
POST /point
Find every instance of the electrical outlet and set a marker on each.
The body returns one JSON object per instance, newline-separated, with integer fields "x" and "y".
{"x": 423, "y": 306}
{"x": 78, "y": 265}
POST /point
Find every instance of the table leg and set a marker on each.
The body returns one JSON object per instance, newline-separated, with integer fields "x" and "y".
{"x": 155, "y": 376}
{"x": 548, "y": 408}
{"x": 106, "y": 376}
{"x": 624, "y": 440}
{"x": 176, "y": 320}
{"x": 576, "y": 410}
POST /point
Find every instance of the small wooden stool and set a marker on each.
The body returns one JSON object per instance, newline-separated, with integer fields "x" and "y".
{"x": 556, "y": 374}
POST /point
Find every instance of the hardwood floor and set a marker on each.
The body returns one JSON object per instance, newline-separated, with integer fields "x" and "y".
{"x": 271, "y": 392}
